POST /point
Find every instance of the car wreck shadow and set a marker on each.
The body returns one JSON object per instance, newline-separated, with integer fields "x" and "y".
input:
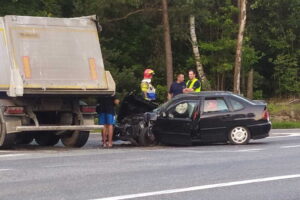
{"x": 207, "y": 144}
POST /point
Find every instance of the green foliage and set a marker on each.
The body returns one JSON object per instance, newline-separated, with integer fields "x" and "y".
{"x": 132, "y": 39}
{"x": 272, "y": 29}
{"x": 162, "y": 93}
{"x": 30, "y": 7}
{"x": 287, "y": 74}
{"x": 258, "y": 94}
{"x": 285, "y": 125}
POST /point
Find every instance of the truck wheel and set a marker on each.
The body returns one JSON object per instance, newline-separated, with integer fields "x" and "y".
{"x": 146, "y": 138}
{"x": 23, "y": 138}
{"x": 6, "y": 140}
{"x": 46, "y": 138}
{"x": 75, "y": 138}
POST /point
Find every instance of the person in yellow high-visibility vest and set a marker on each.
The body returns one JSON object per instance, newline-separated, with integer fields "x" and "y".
{"x": 148, "y": 90}
{"x": 194, "y": 84}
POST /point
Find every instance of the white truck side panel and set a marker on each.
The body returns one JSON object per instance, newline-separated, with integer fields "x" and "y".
{"x": 4, "y": 59}
{"x": 52, "y": 54}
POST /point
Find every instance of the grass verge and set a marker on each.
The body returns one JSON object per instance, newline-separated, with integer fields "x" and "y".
{"x": 285, "y": 125}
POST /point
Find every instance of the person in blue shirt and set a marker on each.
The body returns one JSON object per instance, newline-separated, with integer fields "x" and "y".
{"x": 177, "y": 86}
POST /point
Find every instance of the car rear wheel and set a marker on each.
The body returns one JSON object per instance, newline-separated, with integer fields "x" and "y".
{"x": 239, "y": 135}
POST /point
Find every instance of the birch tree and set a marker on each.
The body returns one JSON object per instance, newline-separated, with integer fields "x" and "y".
{"x": 196, "y": 52}
{"x": 238, "y": 56}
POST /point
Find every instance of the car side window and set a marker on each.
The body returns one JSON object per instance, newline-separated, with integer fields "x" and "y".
{"x": 236, "y": 105}
{"x": 215, "y": 105}
{"x": 182, "y": 110}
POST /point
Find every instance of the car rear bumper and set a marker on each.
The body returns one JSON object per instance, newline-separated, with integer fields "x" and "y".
{"x": 259, "y": 131}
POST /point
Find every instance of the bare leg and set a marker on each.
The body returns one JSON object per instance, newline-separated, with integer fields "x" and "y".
{"x": 110, "y": 130}
{"x": 104, "y": 136}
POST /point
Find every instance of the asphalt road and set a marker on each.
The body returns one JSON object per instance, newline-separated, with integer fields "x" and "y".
{"x": 264, "y": 169}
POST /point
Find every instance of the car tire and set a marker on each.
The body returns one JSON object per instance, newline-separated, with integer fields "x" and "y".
{"x": 146, "y": 138}
{"x": 46, "y": 138}
{"x": 239, "y": 135}
{"x": 75, "y": 139}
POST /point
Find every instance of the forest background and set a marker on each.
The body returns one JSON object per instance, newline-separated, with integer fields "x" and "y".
{"x": 132, "y": 39}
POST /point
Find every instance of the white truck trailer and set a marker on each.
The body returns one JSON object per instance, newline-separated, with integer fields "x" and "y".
{"x": 48, "y": 66}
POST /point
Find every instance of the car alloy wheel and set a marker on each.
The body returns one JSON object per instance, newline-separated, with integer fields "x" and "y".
{"x": 239, "y": 135}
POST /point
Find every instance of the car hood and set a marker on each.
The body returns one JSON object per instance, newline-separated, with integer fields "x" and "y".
{"x": 133, "y": 104}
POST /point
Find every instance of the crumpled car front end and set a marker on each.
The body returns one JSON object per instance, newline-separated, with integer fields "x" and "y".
{"x": 135, "y": 120}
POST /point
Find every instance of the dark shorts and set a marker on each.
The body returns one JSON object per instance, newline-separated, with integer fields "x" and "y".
{"x": 106, "y": 119}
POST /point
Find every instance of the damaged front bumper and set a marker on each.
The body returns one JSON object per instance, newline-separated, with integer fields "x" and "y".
{"x": 135, "y": 120}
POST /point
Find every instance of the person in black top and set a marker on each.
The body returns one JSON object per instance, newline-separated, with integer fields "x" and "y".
{"x": 177, "y": 86}
{"x": 106, "y": 117}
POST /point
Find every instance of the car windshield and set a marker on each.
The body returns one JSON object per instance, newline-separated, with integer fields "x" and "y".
{"x": 159, "y": 108}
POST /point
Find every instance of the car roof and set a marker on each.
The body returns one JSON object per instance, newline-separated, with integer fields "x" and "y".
{"x": 196, "y": 95}
{"x": 204, "y": 94}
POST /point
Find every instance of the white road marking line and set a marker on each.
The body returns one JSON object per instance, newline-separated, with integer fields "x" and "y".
{"x": 291, "y": 146}
{"x": 274, "y": 133}
{"x": 57, "y": 166}
{"x": 204, "y": 151}
{"x": 11, "y": 155}
{"x": 283, "y": 136}
{"x": 289, "y": 133}
{"x": 2, "y": 170}
{"x": 201, "y": 187}
{"x": 249, "y": 150}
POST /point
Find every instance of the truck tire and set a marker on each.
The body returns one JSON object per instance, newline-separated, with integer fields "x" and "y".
{"x": 6, "y": 140}
{"x": 23, "y": 138}
{"x": 46, "y": 138}
{"x": 75, "y": 139}
{"x": 146, "y": 138}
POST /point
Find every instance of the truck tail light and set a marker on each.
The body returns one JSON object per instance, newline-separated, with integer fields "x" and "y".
{"x": 14, "y": 110}
{"x": 266, "y": 115}
{"x": 88, "y": 109}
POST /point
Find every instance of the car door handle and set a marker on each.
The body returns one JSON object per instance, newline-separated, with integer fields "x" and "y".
{"x": 226, "y": 116}
{"x": 250, "y": 115}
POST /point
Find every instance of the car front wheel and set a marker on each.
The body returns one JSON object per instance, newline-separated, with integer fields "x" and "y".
{"x": 146, "y": 137}
{"x": 239, "y": 135}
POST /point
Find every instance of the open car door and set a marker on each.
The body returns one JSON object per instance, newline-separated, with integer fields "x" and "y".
{"x": 175, "y": 123}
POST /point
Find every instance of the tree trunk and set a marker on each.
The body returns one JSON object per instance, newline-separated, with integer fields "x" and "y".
{"x": 223, "y": 81}
{"x": 238, "y": 56}
{"x": 167, "y": 40}
{"x": 218, "y": 81}
{"x": 243, "y": 81}
{"x": 250, "y": 84}
{"x": 195, "y": 46}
